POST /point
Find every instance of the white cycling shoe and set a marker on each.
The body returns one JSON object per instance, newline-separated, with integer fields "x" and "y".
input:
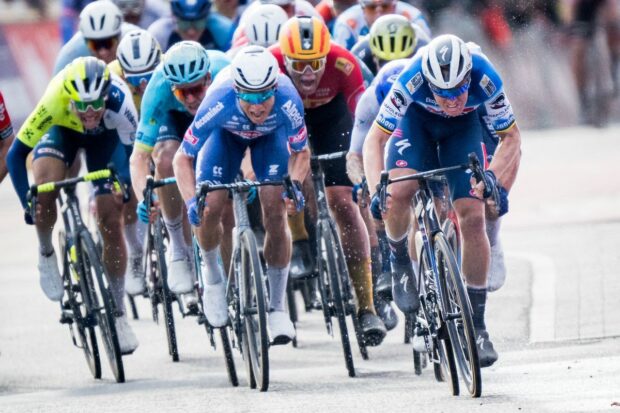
{"x": 134, "y": 277}
{"x": 497, "y": 269}
{"x": 281, "y": 328}
{"x": 127, "y": 340}
{"x": 180, "y": 276}
{"x": 215, "y": 305}
{"x": 49, "y": 277}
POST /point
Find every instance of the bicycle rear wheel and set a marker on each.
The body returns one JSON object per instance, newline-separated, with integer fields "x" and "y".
{"x": 228, "y": 357}
{"x": 79, "y": 301}
{"x": 457, "y": 316}
{"x": 329, "y": 270}
{"x": 102, "y": 300}
{"x": 254, "y": 308}
{"x": 161, "y": 284}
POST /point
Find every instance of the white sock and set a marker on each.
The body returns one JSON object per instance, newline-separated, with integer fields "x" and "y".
{"x": 493, "y": 227}
{"x": 415, "y": 266}
{"x": 277, "y": 287}
{"x": 213, "y": 263}
{"x": 177, "y": 240}
{"x": 134, "y": 238}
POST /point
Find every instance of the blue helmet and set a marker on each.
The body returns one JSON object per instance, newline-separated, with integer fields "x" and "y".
{"x": 190, "y": 9}
{"x": 185, "y": 62}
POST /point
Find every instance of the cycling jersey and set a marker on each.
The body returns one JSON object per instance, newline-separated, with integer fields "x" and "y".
{"x": 115, "y": 67}
{"x": 216, "y": 35}
{"x": 342, "y": 75}
{"x": 351, "y": 24}
{"x": 326, "y": 9}
{"x": 485, "y": 91}
{"x": 221, "y": 131}
{"x": 361, "y": 49}
{"x": 6, "y": 128}
{"x": 159, "y": 106}
{"x": 76, "y": 47}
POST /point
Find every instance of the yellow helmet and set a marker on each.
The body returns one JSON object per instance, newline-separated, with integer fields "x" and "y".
{"x": 392, "y": 37}
{"x": 304, "y": 38}
{"x": 86, "y": 79}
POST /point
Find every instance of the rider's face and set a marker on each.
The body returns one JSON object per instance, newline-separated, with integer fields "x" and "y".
{"x": 257, "y": 112}
{"x": 375, "y": 9}
{"x": 91, "y": 118}
{"x": 452, "y": 106}
{"x": 308, "y": 81}
{"x": 191, "y": 95}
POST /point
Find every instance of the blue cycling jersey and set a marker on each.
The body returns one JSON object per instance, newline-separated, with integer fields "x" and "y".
{"x": 217, "y": 34}
{"x": 486, "y": 91}
{"x": 158, "y": 101}
{"x": 220, "y": 110}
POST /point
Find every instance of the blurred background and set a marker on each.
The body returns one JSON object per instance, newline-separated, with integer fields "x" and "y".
{"x": 534, "y": 44}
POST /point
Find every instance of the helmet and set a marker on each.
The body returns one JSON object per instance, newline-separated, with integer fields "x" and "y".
{"x": 304, "y": 38}
{"x": 254, "y": 68}
{"x": 132, "y": 7}
{"x": 263, "y": 24}
{"x": 278, "y": 2}
{"x": 190, "y": 9}
{"x": 100, "y": 20}
{"x": 392, "y": 37}
{"x": 86, "y": 79}
{"x": 185, "y": 62}
{"x": 446, "y": 61}
{"x": 138, "y": 52}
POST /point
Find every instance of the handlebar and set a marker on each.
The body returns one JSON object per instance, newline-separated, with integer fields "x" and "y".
{"x": 328, "y": 156}
{"x": 151, "y": 185}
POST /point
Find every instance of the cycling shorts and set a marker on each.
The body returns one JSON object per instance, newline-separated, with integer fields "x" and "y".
{"x": 329, "y": 130}
{"x": 175, "y": 126}
{"x": 425, "y": 141}
{"x": 100, "y": 149}
{"x": 220, "y": 158}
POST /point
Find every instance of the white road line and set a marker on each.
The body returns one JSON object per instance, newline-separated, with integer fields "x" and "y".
{"x": 542, "y": 310}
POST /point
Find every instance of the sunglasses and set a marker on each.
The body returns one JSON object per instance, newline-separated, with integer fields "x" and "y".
{"x": 136, "y": 80}
{"x": 96, "y": 105}
{"x": 300, "y": 66}
{"x": 107, "y": 43}
{"x": 185, "y": 25}
{"x": 255, "y": 98}
{"x": 452, "y": 93}
{"x": 182, "y": 93}
{"x": 374, "y": 6}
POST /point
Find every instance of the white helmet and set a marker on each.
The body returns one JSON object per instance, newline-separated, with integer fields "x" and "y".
{"x": 254, "y": 68}
{"x": 446, "y": 61}
{"x": 138, "y": 52}
{"x": 263, "y": 24}
{"x": 100, "y": 20}
{"x": 278, "y": 2}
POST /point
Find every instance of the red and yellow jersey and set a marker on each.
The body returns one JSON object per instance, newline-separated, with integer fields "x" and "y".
{"x": 6, "y": 128}
{"x": 342, "y": 75}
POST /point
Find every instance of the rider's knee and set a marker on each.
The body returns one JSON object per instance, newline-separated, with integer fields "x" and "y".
{"x": 471, "y": 222}
{"x": 163, "y": 161}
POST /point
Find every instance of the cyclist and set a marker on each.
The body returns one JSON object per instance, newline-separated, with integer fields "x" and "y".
{"x": 138, "y": 54}
{"x": 85, "y": 107}
{"x": 6, "y": 137}
{"x": 169, "y": 105}
{"x": 101, "y": 28}
{"x": 262, "y": 25}
{"x": 331, "y": 9}
{"x": 375, "y": 49}
{"x": 193, "y": 20}
{"x": 251, "y": 105}
{"x": 434, "y": 99}
{"x": 142, "y": 13}
{"x": 358, "y": 19}
{"x": 329, "y": 80}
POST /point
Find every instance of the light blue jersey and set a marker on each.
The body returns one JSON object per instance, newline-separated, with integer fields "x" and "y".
{"x": 216, "y": 35}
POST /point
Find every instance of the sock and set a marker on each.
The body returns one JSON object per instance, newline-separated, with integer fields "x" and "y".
{"x": 399, "y": 249}
{"x": 376, "y": 264}
{"x": 117, "y": 289}
{"x": 384, "y": 246}
{"x": 361, "y": 277}
{"x": 416, "y": 268}
{"x": 177, "y": 240}
{"x": 478, "y": 300}
{"x": 212, "y": 261}
{"x": 493, "y": 230}
{"x": 298, "y": 227}
{"x": 46, "y": 248}
{"x": 133, "y": 240}
{"x": 277, "y": 287}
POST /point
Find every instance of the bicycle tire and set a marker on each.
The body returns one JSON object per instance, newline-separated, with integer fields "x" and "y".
{"x": 327, "y": 250}
{"x": 228, "y": 357}
{"x": 254, "y": 305}
{"x": 166, "y": 296}
{"x": 292, "y": 307}
{"x": 81, "y": 310}
{"x": 457, "y": 312}
{"x": 91, "y": 262}
{"x": 452, "y": 235}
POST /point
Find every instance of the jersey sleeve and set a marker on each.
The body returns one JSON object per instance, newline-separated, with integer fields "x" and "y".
{"x": 153, "y": 110}
{"x": 291, "y": 110}
{"x": 496, "y": 108}
{"x": 74, "y": 48}
{"x": 6, "y": 128}
{"x": 394, "y": 106}
{"x": 352, "y": 79}
{"x": 365, "y": 113}
{"x": 121, "y": 112}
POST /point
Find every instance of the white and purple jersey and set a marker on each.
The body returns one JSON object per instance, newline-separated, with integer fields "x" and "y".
{"x": 351, "y": 24}
{"x": 220, "y": 110}
{"x": 486, "y": 91}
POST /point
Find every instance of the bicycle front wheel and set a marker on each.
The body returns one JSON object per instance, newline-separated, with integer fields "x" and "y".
{"x": 457, "y": 316}
{"x": 254, "y": 309}
{"x": 93, "y": 272}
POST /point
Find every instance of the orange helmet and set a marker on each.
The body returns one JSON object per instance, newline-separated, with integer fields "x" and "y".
{"x": 304, "y": 38}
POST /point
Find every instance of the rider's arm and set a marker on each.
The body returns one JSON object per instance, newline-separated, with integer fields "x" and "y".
{"x": 507, "y": 157}
{"x": 365, "y": 113}
{"x": 373, "y": 155}
{"x": 6, "y": 137}
{"x": 139, "y": 166}
{"x": 183, "y": 165}
{"x": 299, "y": 164}
{"x": 16, "y": 163}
